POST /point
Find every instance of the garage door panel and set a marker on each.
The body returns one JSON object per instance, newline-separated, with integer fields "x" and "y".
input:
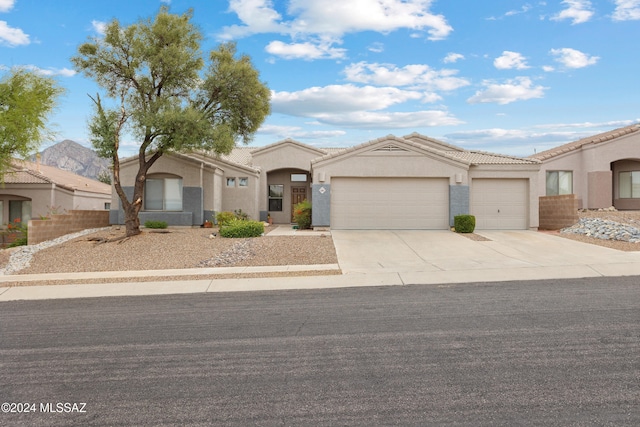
{"x": 500, "y": 204}
{"x": 389, "y": 203}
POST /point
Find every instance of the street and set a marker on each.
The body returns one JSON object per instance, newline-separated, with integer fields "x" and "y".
{"x": 555, "y": 352}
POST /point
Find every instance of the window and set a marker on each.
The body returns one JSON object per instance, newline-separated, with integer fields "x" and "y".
{"x": 20, "y": 209}
{"x": 629, "y": 185}
{"x": 243, "y": 182}
{"x": 276, "y": 193}
{"x": 231, "y": 182}
{"x": 559, "y": 182}
{"x": 163, "y": 194}
{"x": 107, "y": 206}
{"x": 298, "y": 177}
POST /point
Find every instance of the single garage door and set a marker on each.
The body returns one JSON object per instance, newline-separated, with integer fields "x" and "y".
{"x": 389, "y": 203}
{"x": 500, "y": 204}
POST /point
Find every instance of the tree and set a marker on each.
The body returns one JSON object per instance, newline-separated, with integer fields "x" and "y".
{"x": 26, "y": 100}
{"x": 168, "y": 96}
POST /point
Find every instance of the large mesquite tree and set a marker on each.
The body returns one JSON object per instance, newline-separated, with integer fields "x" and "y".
{"x": 26, "y": 101}
{"x": 166, "y": 95}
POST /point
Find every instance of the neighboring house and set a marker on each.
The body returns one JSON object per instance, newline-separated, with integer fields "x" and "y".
{"x": 413, "y": 182}
{"x": 33, "y": 190}
{"x": 601, "y": 170}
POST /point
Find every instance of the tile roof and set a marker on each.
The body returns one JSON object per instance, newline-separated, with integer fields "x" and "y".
{"x": 596, "y": 139}
{"x": 24, "y": 172}
{"x": 484, "y": 158}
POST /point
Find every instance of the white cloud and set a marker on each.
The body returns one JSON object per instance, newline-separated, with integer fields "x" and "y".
{"x": 510, "y": 60}
{"x": 99, "y": 26}
{"x": 413, "y": 75}
{"x": 297, "y": 132}
{"x": 335, "y": 18}
{"x": 65, "y": 72}
{"x": 626, "y": 10}
{"x": 339, "y": 99}
{"x": 452, "y": 57}
{"x": 524, "y": 9}
{"x": 579, "y": 11}
{"x": 376, "y": 47}
{"x": 572, "y": 58}
{"x": 548, "y": 68}
{"x": 388, "y": 120}
{"x": 12, "y": 36}
{"x": 518, "y": 89}
{"x": 6, "y": 5}
{"x": 306, "y": 50}
{"x": 353, "y": 106}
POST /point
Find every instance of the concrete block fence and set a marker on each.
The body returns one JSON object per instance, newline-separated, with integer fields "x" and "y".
{"x": 41, "y": 230}
{"x": 558, "y": 212}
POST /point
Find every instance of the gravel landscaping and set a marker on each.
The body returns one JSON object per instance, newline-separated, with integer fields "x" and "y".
{"x": 169, "y": 249}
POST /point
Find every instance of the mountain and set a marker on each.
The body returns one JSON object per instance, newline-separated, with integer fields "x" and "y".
{"x": 71, "y": 156}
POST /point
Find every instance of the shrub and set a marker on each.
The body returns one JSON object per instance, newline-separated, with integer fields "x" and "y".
{"x": 18, "y": 229}
{"x": 224, "y": 218}
{"x": 243, "y": 216}
{"x": 242, "y": 229}
{"x": 155, "y": 224}
{"x": 302, "y": 214}
{"x": 464, "y": 223}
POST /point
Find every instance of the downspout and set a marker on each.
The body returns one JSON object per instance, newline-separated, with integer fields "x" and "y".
{"x": 202, "y": 192}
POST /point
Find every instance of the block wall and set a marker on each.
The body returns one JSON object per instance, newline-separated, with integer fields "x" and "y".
{"x": 41, "y": 230}
{"x": 558, "y": 212}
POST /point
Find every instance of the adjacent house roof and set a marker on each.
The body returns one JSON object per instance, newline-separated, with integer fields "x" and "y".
{"x": 596, "y": 139}
{"x": 24, "y": 172}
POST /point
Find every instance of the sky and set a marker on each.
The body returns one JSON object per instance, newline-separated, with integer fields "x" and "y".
{"x": 504, "y": 76}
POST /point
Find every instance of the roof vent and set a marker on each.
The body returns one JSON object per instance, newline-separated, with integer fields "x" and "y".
{"x": 389, "y": 148}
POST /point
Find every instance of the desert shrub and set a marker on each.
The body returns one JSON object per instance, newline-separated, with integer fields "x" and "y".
{"x": 224, "y": 218}
{"x": 243, "y": 216}
{"x": 464, "y": 223}
{"x": 242, "y": 229}
{"x": 302, "y": 214}
{"x": 18, "y": 229}
{"x": 155, "y": 224}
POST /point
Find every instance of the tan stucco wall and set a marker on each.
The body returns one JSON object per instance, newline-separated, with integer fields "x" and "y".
{"x": 389, "y": 164}
{"x": 591, "y": 158}
{"x": 43, "y": 198}
{"x": 237, "y": 197}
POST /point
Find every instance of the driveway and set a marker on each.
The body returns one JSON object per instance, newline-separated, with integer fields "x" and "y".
{"x": 444, "y": 257}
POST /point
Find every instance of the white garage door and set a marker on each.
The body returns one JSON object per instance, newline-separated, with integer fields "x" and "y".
{"x": 500, "y": 204}
{"x": 389, "y": 203}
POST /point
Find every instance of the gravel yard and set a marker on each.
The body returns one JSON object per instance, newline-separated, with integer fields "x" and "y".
{"x": 176, "y": 249}
{"x": 631, "y": 218}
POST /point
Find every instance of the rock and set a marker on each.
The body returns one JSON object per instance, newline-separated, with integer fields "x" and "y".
{"x": 604, "y": 229}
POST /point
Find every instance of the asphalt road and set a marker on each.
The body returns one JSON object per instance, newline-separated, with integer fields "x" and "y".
{"x": 515, "y": 353}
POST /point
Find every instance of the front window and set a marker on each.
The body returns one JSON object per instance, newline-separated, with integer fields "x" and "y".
{"x": 231, "y": 182}
{"x": 298, "y": 177}
{"x": 629, "y": 185}
{"x": 559, "y": 182}
{"x": 243, "y": 182}
{"x": 163, "y": 194}
{"x": 20, "y": 210}
{"x": 276, "y": 193}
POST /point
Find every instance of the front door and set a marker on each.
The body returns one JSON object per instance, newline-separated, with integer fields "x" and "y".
{"x": 298, "y": 194}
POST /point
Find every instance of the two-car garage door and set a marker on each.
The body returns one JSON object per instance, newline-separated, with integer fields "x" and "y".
{"x": 390, "y": 203}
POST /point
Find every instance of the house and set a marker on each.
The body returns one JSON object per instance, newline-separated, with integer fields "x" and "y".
{"x": 601, "y": 170}
{"x": 32, "y": 190}
{"x": 411, "y": 182}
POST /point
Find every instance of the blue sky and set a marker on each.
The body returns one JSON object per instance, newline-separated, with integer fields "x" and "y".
{"x": 506, "y": 76}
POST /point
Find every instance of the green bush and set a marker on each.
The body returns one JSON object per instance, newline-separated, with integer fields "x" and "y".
{"x": 241, "y": 215}
{"x": 224, "y": 218}
{"x": 464, "y": 223}
{"x": 242, "y": 229}
{"x": 302, "y": 214}
{"x": 155, "y": 224}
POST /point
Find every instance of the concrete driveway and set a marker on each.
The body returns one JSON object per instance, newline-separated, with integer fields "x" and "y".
{"x": 445, "y": 257}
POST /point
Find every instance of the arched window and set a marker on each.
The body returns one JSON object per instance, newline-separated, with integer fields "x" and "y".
{"x": 163, "y": 193}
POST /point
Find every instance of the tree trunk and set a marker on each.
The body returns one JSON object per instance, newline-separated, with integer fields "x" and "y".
{"x": 132, "y": 222}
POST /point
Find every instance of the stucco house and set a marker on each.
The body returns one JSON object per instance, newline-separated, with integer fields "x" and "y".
{"x": 411, "y": 182}
{"x": 601, "y": 170}
{"x": 33, "y": 190}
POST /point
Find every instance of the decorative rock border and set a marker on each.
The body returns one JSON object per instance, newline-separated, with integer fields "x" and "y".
{"x": 604, "y": 229}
